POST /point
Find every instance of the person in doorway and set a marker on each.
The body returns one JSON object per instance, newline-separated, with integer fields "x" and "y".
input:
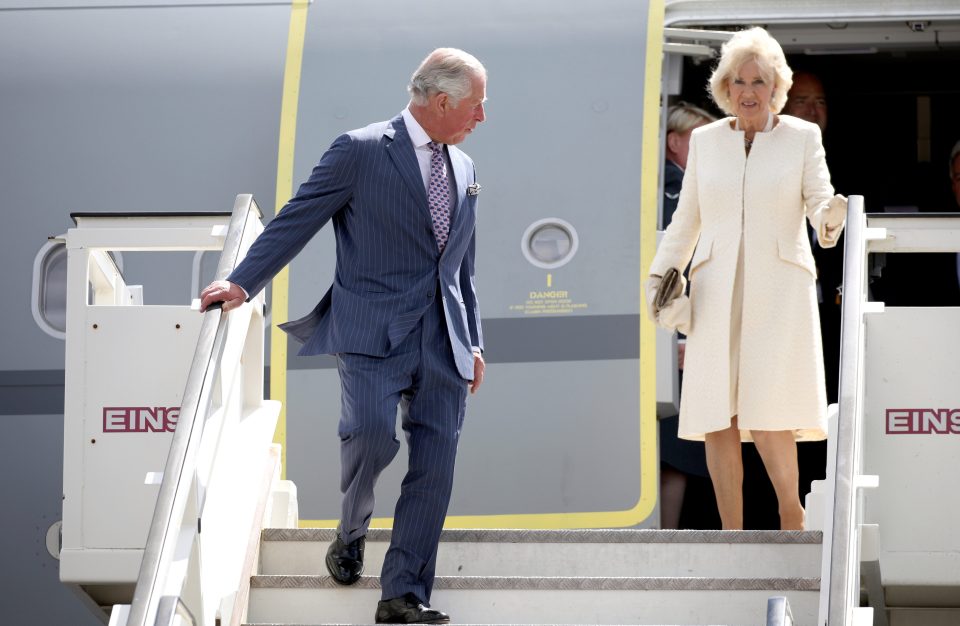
{"x": 950, "y": 285}
{"x": 955, "y": 172}
{"x": 402, "y": 316}
{"x": 807, "y": 100}
{"x": 754, "y": 364}
{"x": 679, "y": 459}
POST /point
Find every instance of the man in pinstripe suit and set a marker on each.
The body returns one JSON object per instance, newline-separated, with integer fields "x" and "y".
{"x": 402, "y": 316}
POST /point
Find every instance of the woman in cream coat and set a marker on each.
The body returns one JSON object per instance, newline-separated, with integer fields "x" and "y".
{"x": 754, "y": 363}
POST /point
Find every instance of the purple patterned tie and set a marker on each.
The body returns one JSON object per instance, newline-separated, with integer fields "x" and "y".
{"x": 438, "y": 195}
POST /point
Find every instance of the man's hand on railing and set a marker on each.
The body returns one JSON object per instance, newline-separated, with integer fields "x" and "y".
{"x": 228, "y": 293}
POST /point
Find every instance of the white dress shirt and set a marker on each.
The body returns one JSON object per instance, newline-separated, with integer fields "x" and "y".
{"x": 420, "y": 140}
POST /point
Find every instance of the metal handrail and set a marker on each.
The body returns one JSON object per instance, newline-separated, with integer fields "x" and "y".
{"x": 181, "y": 465}
{"x": 839, "y": 579}
{"x": 171, "y": 607}
{"x": 778, "y": 611}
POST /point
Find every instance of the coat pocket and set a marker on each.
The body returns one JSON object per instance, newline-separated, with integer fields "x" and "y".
{"x": 701, "y": 255}
{"x": 796, "y": 253}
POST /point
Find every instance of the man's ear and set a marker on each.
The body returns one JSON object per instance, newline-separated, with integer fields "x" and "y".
{"x": 442, "y": 102}
{"x": 673, "y": 141}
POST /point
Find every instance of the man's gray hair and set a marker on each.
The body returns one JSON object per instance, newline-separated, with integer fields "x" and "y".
{"x": 445, "y": 70}
{"x": 953, "y": 155}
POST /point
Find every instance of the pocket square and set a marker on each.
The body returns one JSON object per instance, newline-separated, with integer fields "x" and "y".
{"x": 474, "y": 189}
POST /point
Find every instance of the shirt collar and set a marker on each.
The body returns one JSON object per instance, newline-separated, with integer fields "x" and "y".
{"x": 418, "y": 136}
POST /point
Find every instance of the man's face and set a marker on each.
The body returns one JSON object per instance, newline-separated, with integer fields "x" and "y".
{"x": 955, "y": 178}
{"x": 453, "y": 123}
{"x": 807, "y": 101}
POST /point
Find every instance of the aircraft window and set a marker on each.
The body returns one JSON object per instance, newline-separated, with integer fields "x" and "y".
{"x": 49, "y": 294}
{"x": 549, "y": 243}
{"x": 49, "y": 297}
{"x": 146, "y": 278}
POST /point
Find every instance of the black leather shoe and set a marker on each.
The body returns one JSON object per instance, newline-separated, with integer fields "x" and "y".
{"x": 345, "y": 560}
{"x": 408, "y": 610}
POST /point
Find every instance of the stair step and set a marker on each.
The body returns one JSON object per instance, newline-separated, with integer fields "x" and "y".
{"x": 626, "y": 576}
{"x": 560, "y": 583}
{"x": 540, "y": 600}
{"x": 566, "y": 553}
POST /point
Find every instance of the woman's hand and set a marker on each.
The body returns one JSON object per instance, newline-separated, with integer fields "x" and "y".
{"x": 676, "y": 315}
{"x": 833, "y": 218}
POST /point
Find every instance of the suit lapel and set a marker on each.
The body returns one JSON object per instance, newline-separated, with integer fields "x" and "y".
{"x": 401, "y": 152}
{"x": 460, "y": 168}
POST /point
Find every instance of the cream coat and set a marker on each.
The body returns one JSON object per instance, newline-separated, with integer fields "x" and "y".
{"x": 762, "y": 201}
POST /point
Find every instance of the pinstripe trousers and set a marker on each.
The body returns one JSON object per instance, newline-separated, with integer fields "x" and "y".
{"x": 420, "y": 376}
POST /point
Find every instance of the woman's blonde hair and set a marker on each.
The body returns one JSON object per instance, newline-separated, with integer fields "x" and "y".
{"x": 754, "y": 44}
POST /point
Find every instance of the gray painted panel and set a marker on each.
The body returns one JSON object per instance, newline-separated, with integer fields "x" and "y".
{"x": 163, "y": 109}
{"x": 28, "y": 5}
{"x": 177, "y": 109}
{"x": 40, "y": 392}
{"x": 31, "y": 462}
{"x": 564, "y": 433}
{"x": 545, "y": 150}
{"x": 542, "y": 438}
{"x": 120, "y": 110}
{"x": 530, "y": 340}
{"x": 32, "y": 399}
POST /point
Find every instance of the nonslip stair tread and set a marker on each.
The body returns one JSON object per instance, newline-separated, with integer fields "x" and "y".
{"x": 643, "y": 576}
{"x": 485, "y": 583}
{"x": 569, "y": 536}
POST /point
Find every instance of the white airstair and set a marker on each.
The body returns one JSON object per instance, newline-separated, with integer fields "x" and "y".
{"x": 270, "y": 572}
{"x": 556, "y": 577}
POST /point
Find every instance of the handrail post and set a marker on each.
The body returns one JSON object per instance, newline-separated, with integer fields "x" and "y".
{"x": 178, "y": 474}
{"x": 840, "y": 571}
{"x": 170, "y": 607}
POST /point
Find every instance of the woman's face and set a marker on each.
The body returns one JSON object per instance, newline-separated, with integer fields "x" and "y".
{"x": 750, "y": 93}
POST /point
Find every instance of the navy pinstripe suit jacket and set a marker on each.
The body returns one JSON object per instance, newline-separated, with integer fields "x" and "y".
{"x": 388, "y": 265}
